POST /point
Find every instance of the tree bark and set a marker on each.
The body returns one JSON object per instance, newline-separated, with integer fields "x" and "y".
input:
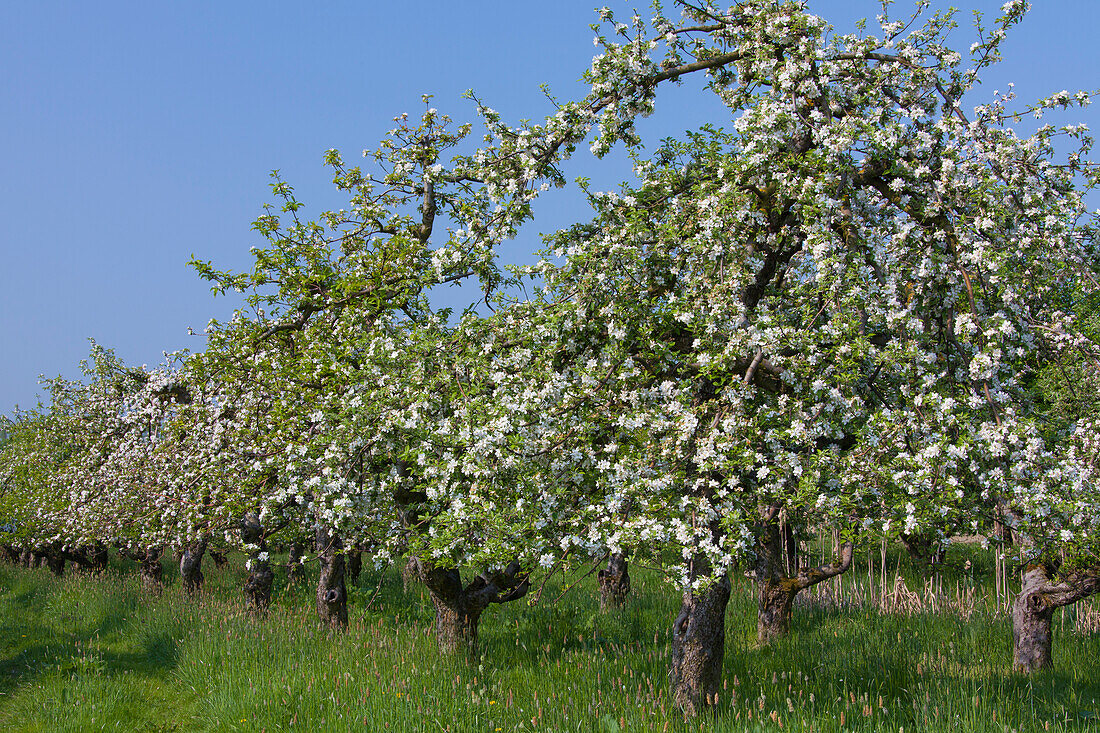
{"x": 295, "y": 571}
{"x": 257, "y": 588}
{"x": 614, "y": 582}
{"x": 1033, "y": 609}
{"x": 191, "y": 566}
{"x": 456, "y": 620}
{"x": 26, "y": 559}
{"x": 775, "y": 598}
{"x": 332, "y": 593}
{"x": 92, "y": 558}
{"x": 10, "y": 554}
{"x": 1032, "y": 635}
{"x": 790, "y": 547}
{"x": 354, "y": 564}
{"x": 458, "y": 609}
{"x": 924, "y": 549}
{"x": 152, "y": 569}
{"x": 410, "y": 573}
{"x": 219, "y": 557}
{"x": 55, "y": 561}
{"x": 699, "y": 644}
{"x": 776, "y": 590}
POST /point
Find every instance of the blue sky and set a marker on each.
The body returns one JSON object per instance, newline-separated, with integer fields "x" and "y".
{"x": 134, "y": 135}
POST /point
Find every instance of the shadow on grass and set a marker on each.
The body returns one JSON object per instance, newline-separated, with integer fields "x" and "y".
{"x": 160, "y": 654}
{"x": 43, "y": 637}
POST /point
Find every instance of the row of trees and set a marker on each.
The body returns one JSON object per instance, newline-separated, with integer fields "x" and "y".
{"x": 856, "y": 306}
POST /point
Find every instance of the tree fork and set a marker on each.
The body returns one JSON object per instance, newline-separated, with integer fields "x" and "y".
{"x": 1033, "y": 611}
{"x": 458, "y": 609}
{"x": 776, "y": 590}
{"x": 456, "y": 615}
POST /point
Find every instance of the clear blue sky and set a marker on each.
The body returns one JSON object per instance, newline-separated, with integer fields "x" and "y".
{"x": 135, "y": 134}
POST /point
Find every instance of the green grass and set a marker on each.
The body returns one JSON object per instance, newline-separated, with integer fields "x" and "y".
{"x": 85, "y": 654}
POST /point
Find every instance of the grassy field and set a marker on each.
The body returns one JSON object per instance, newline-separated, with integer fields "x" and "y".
{"x": 92, "y": 653}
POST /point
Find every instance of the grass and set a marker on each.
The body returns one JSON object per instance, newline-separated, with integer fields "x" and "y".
{"x": 93, "y": 653}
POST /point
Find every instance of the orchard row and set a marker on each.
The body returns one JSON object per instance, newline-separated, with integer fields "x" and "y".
{"x": 851, "y": 305}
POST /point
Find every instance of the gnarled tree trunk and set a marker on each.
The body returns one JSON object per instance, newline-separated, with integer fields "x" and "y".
{"x": 926, "y": 550}
{"x": 92, "y": 558}
{"x": 456, "y": 615}
{"x": 614, "y": 581}
{"x": 9, "y": 554}
{"x": 257, "y": 588}
{"x": 55, "y": 561}
{"x": 410, "y": 573}
{"x": 699, "y": 643}
{"x": 458, "y": 609}
{"x": 774, "y": 600}
{"x": 1040, "y": 596}
{"x": 354, "y": 564}
{"x": 191, "y": 566}
{"x": 152, "y": 569}
{"x": 295, "y": 571}
{"x": 776, "y": 590}
{"x": 332, "y": 593}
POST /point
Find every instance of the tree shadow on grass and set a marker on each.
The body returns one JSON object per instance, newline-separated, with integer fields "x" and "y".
{"x": 42, "y": 640}
{"x": 159, "y": 654}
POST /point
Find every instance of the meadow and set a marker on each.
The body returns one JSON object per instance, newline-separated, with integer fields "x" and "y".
{"x": 903, "y": 650}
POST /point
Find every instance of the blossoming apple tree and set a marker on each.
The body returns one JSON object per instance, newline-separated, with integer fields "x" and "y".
{"x": 834, "y": 310}
{"x": 355, "y": 366}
